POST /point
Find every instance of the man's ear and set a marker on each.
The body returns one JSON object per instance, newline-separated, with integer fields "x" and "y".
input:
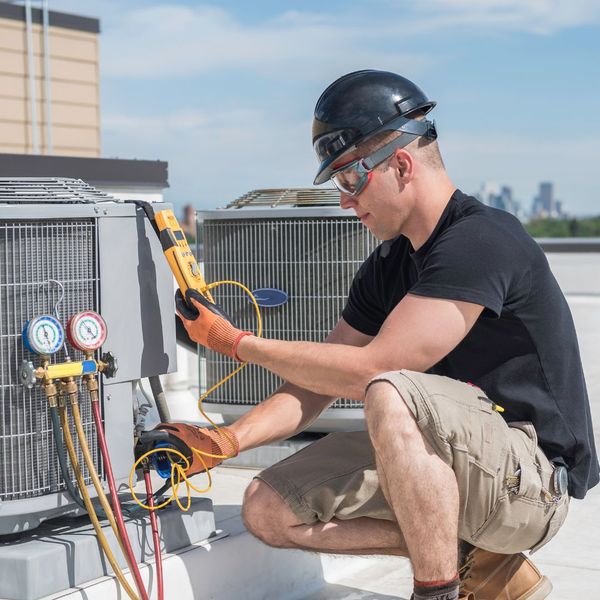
{"x": 403, "y": 162}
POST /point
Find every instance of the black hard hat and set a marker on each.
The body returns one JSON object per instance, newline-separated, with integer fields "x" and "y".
{"x": 361, "y": 104}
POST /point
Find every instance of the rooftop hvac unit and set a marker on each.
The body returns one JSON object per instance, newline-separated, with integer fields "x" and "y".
{"x": 61, "y": 237}
{"x": 298, "y": 251}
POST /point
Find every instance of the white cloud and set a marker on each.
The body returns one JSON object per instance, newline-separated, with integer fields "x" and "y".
{"x": 217, "y": 159}
{"x": 177, "y": 41}
{"x": 171, "y": 40}
{"x": 143, "y": 127}
{"x": 533, "y": 16}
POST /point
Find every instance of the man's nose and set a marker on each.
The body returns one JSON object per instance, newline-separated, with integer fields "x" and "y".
{"x": 347, "y": 201}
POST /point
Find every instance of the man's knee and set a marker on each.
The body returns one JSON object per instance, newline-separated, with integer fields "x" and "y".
{"x": 386, "y": 406}
{"x": 265, "y": 514}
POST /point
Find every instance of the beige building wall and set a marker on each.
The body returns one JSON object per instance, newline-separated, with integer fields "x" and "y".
{"x": 74, "y": 90}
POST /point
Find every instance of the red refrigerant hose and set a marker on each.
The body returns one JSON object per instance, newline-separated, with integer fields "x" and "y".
{"x": 155, "y": 534}
{"x": 114, "y": 500}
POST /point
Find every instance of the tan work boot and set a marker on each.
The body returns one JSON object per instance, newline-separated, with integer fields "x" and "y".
{"x": 490, "y": 576}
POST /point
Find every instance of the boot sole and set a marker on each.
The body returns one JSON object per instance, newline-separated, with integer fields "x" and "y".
{"x": 539, "y": 591}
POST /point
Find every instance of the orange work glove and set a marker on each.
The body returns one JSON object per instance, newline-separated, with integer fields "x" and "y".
{"x": 222, "y": 442}
{"x": 207, "y": 324}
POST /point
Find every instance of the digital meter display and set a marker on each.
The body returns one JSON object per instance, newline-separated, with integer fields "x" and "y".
{"x": 86, "y": 331}
{"x": 43, "y": 335}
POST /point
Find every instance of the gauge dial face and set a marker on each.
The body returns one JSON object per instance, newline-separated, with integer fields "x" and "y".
{"x": 86, "y": 331}
{"x": 44, "y": 335}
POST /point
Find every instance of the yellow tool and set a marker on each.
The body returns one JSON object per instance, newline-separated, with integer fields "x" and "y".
{"x": 179, "y": 255}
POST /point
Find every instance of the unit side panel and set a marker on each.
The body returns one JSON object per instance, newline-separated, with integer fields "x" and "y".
{"x": 118, "y": 424}
{"x": 136, "y": 297}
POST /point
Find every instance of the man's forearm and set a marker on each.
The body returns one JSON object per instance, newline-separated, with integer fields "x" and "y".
{"x": 287, "y": 412}
{"x": 336, "y": 370}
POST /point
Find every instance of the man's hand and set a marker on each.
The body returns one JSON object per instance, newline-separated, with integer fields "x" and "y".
{"x": 207, "y": 324}
{"x": 215, "y": 445}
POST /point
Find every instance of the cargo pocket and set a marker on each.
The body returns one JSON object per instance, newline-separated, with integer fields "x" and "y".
{"x": 487, "y": 445}
{"x": 512, "y": 525}
{"x": 556, "y": 522}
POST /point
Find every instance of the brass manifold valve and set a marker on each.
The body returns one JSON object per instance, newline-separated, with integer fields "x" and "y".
{"x": 28, "y": 374}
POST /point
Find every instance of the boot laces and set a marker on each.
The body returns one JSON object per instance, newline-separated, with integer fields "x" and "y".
{"x": 464, "y": 572}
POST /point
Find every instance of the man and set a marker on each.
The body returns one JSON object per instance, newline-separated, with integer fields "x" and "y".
{"x": 454, "y": 318}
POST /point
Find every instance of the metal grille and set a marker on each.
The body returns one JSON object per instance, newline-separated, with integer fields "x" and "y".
{"x": 312, "y": 259}
{"x": 31, "y": 254}
{"x": 50, "y": 190}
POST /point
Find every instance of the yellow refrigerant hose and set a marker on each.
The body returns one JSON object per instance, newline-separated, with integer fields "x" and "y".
{"x": 89, "y": 506}
{"x": 89, "y": 461}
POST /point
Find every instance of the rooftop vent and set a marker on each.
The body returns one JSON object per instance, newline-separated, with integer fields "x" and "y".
{"x": 275, "y": 198}
{"x": 50, "y": 190}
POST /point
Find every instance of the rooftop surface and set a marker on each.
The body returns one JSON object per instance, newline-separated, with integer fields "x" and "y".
{"x": 242, "y": 568}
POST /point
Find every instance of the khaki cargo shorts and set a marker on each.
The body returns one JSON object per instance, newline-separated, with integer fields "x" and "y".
{"x": 507, "y": 504}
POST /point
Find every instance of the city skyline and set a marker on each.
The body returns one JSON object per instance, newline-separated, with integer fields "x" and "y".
{"x": 545, "y": 204}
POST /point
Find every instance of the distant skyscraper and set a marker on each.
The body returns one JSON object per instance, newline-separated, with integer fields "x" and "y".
{"x": 545, "y": 204}
{"x": 189, "y": 220}
{"x": 506, "y": 199}
{"x": 497, "y": 196}
{"x": 488, "y": 191}
{"x": 546, "y": 197}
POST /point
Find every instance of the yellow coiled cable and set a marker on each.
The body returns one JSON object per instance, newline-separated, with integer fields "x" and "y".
{"x": 177, "y": 471}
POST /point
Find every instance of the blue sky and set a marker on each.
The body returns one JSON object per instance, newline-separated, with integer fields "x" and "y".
{"x": 224, "y": 91}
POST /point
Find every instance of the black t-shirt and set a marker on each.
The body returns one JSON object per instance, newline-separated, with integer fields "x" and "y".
{"x": 522, "y": 351}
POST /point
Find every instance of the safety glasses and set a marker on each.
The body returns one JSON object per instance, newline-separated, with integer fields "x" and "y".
{"x": 352, "y": 178}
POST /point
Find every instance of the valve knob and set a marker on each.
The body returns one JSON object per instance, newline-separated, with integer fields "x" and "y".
{"x": 27, "y": 374}
{"x": 112, "y": 366}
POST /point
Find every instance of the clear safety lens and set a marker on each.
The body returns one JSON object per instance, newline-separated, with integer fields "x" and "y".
{"x": 350, "y": 179}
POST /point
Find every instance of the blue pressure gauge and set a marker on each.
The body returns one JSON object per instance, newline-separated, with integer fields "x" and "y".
{"x": 43, "y": 335}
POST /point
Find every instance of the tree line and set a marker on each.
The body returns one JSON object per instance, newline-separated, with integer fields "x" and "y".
{"x": 588, "y": 227}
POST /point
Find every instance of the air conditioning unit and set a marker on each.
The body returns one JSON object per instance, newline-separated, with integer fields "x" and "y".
{"x": 298, "y": 251}
{"x": 63, "y": 238}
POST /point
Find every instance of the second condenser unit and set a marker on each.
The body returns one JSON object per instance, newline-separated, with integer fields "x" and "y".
{"x": 298, "y": 251}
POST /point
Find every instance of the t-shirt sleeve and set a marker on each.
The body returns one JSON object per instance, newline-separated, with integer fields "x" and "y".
{"x": 471, "y": 262}
{"x": 364, "y": 309}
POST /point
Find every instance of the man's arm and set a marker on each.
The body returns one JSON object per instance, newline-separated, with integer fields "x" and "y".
{"x": 417, "y": 334}
{"x": 291, "y": 408}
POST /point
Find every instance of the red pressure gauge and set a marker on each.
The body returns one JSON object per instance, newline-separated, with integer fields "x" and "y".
{"x": 86, "y": 331}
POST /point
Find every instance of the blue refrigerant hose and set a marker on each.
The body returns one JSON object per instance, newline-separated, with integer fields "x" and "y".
{"x": 62, "y": 457}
